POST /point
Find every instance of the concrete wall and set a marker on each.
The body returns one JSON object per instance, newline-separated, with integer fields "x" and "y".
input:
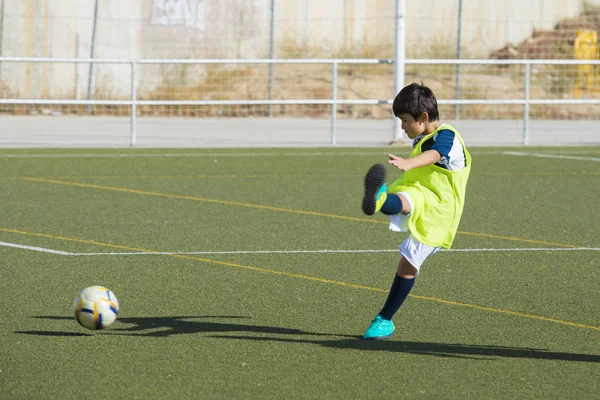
{"x": 52, "y": 28}
{"x": 240, "y": 28}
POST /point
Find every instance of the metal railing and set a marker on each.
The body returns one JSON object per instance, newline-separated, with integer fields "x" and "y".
{"x": 525, "y": 101}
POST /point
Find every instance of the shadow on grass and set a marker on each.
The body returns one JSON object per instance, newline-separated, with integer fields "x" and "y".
{"x": 435, "y": 349}
{"x": 181, "y": 325}
{"x": 178, "y": 325}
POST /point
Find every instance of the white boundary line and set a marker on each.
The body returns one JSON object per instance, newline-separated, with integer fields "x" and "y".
{"x": 383, "y": 152}
{"x": 544, "y": 155}
{"x": 221, "y": 154}
{"x": 324, "y": 251}
{"x": 41, "y": 249}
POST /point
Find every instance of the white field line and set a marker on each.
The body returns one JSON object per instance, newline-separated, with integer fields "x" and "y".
{"x": 323, "y": 251}
{"x": 544, "y": 155}
{"x": 41, "y": 249}
{"x": 251, "y": 154}
{"x": 286, "y": 154}
{"x": 383, "y": 152}
{"x": 137, "y": 253}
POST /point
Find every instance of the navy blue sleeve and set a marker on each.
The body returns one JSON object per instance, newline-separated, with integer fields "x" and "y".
{"x": 442, "y": 143}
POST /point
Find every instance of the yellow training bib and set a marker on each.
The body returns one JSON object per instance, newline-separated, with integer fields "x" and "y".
{"x": 438, "y": 197}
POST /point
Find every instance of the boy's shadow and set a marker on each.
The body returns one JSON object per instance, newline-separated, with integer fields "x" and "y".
{"x": 178, "y": 325}
{"x": 181, "y": 325}
{"x": 480, "y": 352}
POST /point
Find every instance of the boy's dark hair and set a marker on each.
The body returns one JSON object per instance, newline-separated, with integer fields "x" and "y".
{"x": 416, "y": 99}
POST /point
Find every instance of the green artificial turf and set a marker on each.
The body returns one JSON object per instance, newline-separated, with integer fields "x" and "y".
{"x": 261, "y": 314}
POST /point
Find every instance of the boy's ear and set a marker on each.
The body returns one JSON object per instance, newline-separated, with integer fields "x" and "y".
{"x": 424, "y": 117}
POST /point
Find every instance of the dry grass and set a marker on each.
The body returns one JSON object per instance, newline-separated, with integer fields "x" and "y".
{"x": 354, "y": 82}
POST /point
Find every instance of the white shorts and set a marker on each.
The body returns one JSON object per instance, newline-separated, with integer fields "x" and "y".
{"x": 416, "y": 252}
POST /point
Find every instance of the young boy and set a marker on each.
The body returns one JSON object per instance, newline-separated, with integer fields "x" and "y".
{"x": 427, "y": 200}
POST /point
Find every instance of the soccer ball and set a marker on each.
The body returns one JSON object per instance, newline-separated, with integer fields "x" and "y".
{"x": 96, "y": 307}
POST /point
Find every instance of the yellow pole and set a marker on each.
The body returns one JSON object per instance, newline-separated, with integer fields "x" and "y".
{"x": 585, "y": 48}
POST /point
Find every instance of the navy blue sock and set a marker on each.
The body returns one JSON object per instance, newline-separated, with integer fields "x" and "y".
{"x": 392, "y": 205}
{"x": 398, "y": 293}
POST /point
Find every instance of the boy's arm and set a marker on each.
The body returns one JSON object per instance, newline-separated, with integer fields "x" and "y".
{"x": 427, "y": 157}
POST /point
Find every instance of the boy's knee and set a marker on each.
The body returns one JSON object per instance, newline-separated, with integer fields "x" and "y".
{"x": 405, "y": 204}
{"x": 406, "y": 269}
{"x": 395, "y": 204}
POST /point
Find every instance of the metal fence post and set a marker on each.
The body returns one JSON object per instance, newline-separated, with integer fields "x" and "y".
{"x": 458, "y": 34}
{"x": 1, "y": 34}
{"x": 334, "y": 78}
{"x": 76, "y": 67}
{"x": 92, "y": 50}
{"x": 133, "y": 102}
{"x": 271, "y": 56}
{"x": 526, "y": 105}
{"x": 399, "y": 59}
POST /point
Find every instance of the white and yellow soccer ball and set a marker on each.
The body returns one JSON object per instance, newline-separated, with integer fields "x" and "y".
{"x": 96, "y": 307}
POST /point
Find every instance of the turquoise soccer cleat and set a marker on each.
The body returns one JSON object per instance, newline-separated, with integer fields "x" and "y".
{"x": 380, "y": 329}
{"x": 375, "y": 189}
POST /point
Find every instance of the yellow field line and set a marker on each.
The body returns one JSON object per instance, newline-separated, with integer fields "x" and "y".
{"x": 203, "y": 199}
{"x": 520, "y": 239}
{"x": 288, "y": 210}
{"x": 306, "y": 277}
{"x": 509, "y": 312}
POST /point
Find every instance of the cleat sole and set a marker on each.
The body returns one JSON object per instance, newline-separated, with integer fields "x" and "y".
{"x": 373, "y": 180}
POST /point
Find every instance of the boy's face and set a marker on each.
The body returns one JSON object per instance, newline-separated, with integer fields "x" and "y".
{"x": 411, "y": 126}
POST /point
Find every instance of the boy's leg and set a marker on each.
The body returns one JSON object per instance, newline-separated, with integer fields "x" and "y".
{"x": 403, "y": 283}
{"x": 396, "y": 204}
{"x": 414, "y": 254}
{"x": 382, "y": 326}
{"x": 376, "y": 197}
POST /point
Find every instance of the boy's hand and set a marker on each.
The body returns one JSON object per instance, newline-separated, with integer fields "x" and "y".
{"x": 403, "y": 164}
{"x": 428, "y": 157}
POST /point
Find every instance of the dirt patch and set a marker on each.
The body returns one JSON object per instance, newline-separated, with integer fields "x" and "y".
{"x": 555, "y": 43}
